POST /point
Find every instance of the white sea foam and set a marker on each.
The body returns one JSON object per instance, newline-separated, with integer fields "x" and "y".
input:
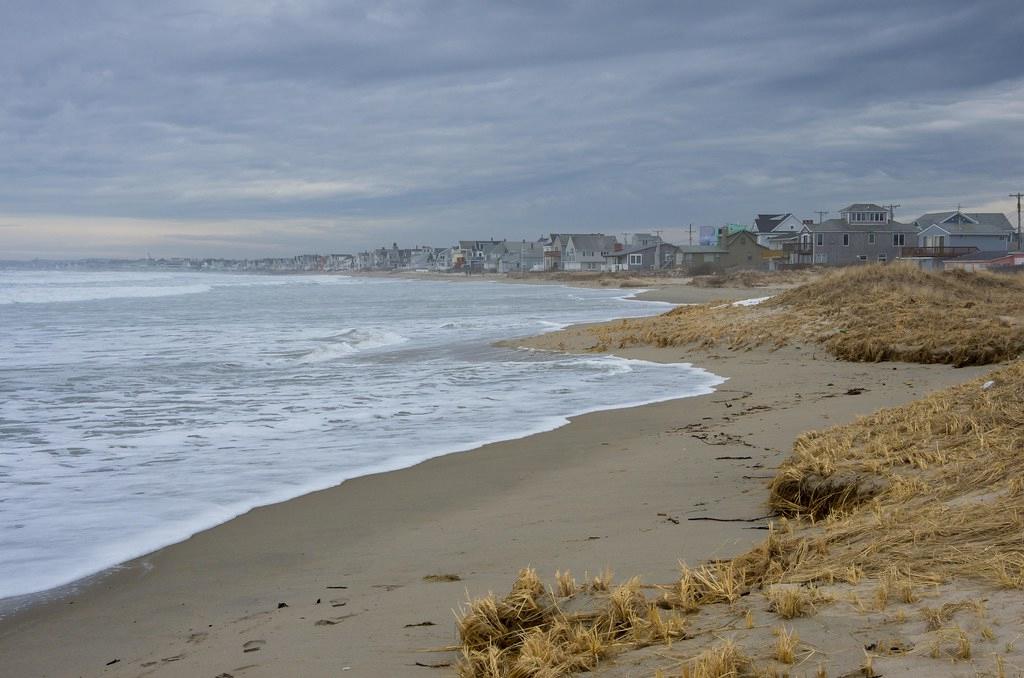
{"x": 350, "y": 341}
{"x": 50, "y": 295}
{"x": 132, "y": 422}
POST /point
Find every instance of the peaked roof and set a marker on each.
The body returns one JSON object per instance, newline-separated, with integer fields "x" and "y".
{"x": 730, "y": 238}
{"x": 766, "y": 223}
{"x": 517, "y": 247}
{"x": 593, "y": 242}
{"x": 994, "y": 221}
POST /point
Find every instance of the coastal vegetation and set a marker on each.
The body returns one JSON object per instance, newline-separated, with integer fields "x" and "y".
{"x": 864, "y": 314}
{"x": 910, "y": 517}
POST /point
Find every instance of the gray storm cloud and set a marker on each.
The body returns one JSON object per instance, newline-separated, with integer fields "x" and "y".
{"x": 247, "y": 128}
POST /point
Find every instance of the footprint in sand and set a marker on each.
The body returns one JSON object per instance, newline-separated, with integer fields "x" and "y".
{"x": 253, "y": 645}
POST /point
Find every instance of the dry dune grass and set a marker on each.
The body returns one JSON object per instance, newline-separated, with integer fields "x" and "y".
{"x": 907, "y": 498}
{"x": 867, "y": 313}
{"x": 755, "y": 278}
{"x": 537, "y": 632}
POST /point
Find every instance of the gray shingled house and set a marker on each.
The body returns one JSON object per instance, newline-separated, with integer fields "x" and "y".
{"x": 960, "y": 231}
{"x": 864, "y": 233}
{"x": 654, "y": 257}
{"x": 587, "y": 252}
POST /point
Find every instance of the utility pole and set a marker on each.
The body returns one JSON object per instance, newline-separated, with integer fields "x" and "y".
{"x": 821, "y": 214}
{"x": 691, "y": 235}
{"x": 1017, "y": 196}
{"x": 892, "y": 211}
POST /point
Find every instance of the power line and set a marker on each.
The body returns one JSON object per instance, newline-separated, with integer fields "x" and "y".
{"x": 892, "y": 211}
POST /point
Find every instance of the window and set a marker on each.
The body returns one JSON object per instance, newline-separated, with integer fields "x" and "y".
{"x": 871, "y": 238}
{"x": 820, "y": 239}
{"x": 846, "y": 239}
{"x": 862, "y": 257}
{"x": 882, "y": 258}
{"x": 898, "y": 239}
{"x": 636, "y": 259}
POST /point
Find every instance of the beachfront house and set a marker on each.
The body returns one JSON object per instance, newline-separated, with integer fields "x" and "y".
{"x": 652, "y": 257}
{"x": 553, "y": 249}
{"x": 587, "y": 252}
{"x": 774, "y": 229}
{"x": 518, "y": 256}
{"x": 699, "y": 259}
{"x": 442, "y": 260}
{"x": 864, "y": 233}
{"x": 474, "y": 253}
{"x": 742, "y": 250}
{"x": 959, "y": 233}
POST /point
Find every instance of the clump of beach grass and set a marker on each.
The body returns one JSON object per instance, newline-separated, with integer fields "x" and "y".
{"x": 863, "y": 314}
{"x": 536, "y": 631}
{"x": 786, "y": 642}
{"x": 724, "y": 660}
{"x": 790, "y": 602}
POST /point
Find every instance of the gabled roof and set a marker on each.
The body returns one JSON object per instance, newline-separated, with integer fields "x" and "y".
{"x": 517, "y": 247}
{"x": 970, "y": 229}
{"x": 733, "y": 237}
{"x": 564, "y": 237}
{"x": 484, "y": 246}
{"x": 766, "y": 223}
{"x": 863, "y": 207}
{"x": 993, "y": 221}
{"x": 597, "y": 243}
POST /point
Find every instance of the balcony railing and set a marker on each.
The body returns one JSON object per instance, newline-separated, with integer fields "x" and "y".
{"x": 798, "y": 248}
{"x": 940, "y": 252}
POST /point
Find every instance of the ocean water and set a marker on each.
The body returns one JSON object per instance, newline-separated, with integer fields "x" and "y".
{"x": 139, "y": 408}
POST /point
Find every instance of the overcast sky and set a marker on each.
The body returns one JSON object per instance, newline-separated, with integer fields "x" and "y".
{"x": 263, "y": 127}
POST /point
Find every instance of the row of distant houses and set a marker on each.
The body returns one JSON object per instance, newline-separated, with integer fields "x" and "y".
{"x": 866, "y": 232}
{"x": 863, "y": 233}
{"x": 573, "y": 252}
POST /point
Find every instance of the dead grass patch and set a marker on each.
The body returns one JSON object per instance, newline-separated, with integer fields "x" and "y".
{"x": 862, "y": 314}
{"x": 756, "y": 278}
{"x": 534, "y": 631}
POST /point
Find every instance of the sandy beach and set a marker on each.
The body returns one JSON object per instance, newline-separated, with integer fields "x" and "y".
{"x": 364, "y": 577}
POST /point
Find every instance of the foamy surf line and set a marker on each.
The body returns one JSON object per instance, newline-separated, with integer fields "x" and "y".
{"x": 120, "y": 555}
{"x": 266, "y": 392}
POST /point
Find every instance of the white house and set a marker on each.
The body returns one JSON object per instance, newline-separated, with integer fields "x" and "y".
{"x": 773, "y": 229}
{"x": 587, "y": 252}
